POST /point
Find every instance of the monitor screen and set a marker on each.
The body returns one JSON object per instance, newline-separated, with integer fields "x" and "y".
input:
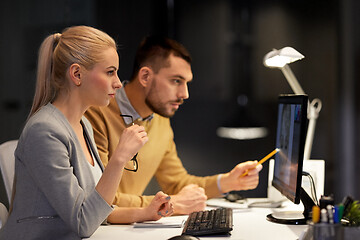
{"x": 290, "y": 139}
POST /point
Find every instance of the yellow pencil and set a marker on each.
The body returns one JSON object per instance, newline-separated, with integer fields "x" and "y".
{"x": 263, "y": 160}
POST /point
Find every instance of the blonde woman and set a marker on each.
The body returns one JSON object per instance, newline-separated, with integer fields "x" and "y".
{"x": 62, "y": 190}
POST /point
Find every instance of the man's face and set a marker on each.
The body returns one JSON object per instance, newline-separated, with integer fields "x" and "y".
{"x": 169, "y": 87}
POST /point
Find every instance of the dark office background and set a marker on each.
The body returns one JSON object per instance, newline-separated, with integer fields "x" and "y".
{"x": 228, "y": 40}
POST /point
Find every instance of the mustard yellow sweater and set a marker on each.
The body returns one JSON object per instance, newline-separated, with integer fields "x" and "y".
{"x": 158, "y": 157}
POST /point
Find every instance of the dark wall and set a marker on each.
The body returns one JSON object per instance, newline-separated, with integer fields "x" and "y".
{"x": 23, "y": 25}
{"x": 347, "y": 116}
{"x": 228, "y": 40}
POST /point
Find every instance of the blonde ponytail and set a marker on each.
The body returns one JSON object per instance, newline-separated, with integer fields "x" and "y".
{"x": 44, "y": 91}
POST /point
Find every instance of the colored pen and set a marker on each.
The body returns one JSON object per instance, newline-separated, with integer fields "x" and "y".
{"x": 341, "y": 211}
{"x": 330, "y": 211}
{"x": 324, "y": 216}
{"x": 263, "y": 160}
{"x": 315, "y": 214}
{"x": 336, "y": 214}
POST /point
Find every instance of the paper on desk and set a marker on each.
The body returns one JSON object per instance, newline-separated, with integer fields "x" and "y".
{"x": 221, "y": 202}
{"x": 167, "y": 222}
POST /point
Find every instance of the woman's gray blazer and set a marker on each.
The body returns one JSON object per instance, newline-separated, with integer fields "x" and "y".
{"x": 55, "y": 191}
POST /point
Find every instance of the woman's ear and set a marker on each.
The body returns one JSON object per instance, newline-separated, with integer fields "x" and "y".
{"x": 145, "y": 75}
{"x": 75, "y": 74}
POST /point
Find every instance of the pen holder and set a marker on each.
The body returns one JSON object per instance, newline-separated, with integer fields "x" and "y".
{"x": 324, "y": 231}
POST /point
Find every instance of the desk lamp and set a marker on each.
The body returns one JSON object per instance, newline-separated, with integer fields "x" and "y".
{"x": 280, "y": 59}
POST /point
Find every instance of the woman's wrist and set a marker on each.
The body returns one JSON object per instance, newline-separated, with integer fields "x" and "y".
{"x": 144, "y": 214}
{"x": 119, "y": 158}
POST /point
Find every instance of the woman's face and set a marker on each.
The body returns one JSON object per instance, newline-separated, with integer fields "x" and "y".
{"x": 100, "y": 83}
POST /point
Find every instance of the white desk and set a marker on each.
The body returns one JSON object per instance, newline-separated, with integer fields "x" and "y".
{"x": 249, "y": 224}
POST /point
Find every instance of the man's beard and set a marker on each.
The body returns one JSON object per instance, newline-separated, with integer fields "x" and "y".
{"x": 160, "y": 108}
{"x": 153, "y": 101}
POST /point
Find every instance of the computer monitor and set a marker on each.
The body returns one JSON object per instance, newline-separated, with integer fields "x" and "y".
{"x": 290, "y": 139}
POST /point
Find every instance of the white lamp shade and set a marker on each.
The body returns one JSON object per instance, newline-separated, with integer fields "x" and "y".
{"x": 279, "y": 58}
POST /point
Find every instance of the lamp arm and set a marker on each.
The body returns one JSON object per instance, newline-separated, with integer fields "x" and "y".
{"x": 313, "y": 114}
{"x": 313, "y": 111}
{"x": 293, "y": 82}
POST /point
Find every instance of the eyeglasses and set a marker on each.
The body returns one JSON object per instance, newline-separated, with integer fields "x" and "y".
{"x": 134, "y": 160}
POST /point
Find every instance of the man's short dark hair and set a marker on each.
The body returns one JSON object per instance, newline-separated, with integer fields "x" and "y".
{"x": 154, "y": 51}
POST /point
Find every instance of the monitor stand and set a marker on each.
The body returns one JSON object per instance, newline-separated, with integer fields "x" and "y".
{"x": 294, "y": 217}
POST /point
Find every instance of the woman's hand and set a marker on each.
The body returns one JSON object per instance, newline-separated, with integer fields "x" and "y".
{"x": 159, "y": 207}
{"x": 131, "y": 140}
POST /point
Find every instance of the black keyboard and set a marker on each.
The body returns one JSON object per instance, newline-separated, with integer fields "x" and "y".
{"x": 216, "y": 221}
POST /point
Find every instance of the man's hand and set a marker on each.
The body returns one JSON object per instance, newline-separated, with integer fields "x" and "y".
{"x": 190, "y": 199}
{"x": 233, "y": 181}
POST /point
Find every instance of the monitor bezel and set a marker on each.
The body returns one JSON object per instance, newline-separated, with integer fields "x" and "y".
{"x": 303, "y": 101}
